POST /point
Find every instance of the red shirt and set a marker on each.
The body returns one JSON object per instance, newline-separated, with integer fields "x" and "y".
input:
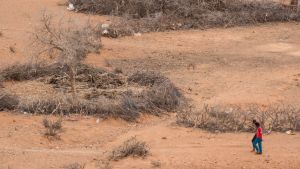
{"x": 259, "y": 133}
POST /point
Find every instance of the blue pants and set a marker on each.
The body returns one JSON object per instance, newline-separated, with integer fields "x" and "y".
{"x": 258, "y": 142}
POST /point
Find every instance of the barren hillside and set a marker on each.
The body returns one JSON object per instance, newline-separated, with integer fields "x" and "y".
{"x": 237, "y": 66}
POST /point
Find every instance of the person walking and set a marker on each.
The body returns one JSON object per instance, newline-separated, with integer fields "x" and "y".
{"x": 257, "y": 144}
{"x": 254, "y": 137}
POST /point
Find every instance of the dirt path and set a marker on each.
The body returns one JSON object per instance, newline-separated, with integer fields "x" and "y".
{"x": 244, "y": 65}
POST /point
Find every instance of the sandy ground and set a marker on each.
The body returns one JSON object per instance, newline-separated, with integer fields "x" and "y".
{"x": 243, "y": 65}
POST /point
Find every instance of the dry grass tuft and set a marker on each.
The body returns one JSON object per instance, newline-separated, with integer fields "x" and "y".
{"x": 52, "y": 127}
{"x": 131, "y": 147}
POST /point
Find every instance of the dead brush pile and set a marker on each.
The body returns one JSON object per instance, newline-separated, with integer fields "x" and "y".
{"x": 65, "y": 106}
{"x": 55, "y": 74}
{"x": 235, "y": 119}
{"x": 99, "y": 92}
{"x": 162, "y": 15}
{"x": 28, "y": 71}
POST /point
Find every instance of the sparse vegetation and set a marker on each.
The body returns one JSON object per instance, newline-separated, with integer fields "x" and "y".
{"x": 162, "y": 15}
{"x": 216, "y": 119}
{"x": 131, "y": 147}
{"x": 52, "y": 127}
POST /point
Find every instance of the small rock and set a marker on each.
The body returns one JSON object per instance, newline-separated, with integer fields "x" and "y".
{"x": 290, "y": 132}
{"x": 98, "y": 121}
{"x": 164, "y": 138}
{"x": 137, "y": 34}
{"x": 70, "y": 7}
{"x": 25, "y": 112}
{"x": 105, "y": 26}
{"x": 105, "y": 32}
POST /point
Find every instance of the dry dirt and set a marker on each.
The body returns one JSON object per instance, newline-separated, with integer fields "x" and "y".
{"x": 243, "y": 65}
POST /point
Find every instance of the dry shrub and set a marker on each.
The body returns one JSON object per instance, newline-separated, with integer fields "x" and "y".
{"x": 160, "y": 96}
{"x": 8, "y": 101}
{"x": 216, "y": 119}
{"x": 52, "y": 127}
{"x": 66, "y": 42}
{"x": 74, "y": 166}
{"x": 162, "y": 15}
{"x": 131, "y": 147}
{"x": 164, "y": 96}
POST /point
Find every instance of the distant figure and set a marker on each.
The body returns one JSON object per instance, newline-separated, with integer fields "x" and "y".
{"x": 254, "y": 137}
{"x": 257, "y": 144}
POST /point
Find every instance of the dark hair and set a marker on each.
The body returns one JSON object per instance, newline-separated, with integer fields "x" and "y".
{"x": 254, "y": 121}
{"x": 257, "y": 124}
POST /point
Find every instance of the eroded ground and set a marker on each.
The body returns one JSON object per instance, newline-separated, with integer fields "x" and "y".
{"x": 244, "y": 65}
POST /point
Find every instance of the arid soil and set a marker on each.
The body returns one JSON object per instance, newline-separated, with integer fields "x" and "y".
{"x": 234, "y": 66}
